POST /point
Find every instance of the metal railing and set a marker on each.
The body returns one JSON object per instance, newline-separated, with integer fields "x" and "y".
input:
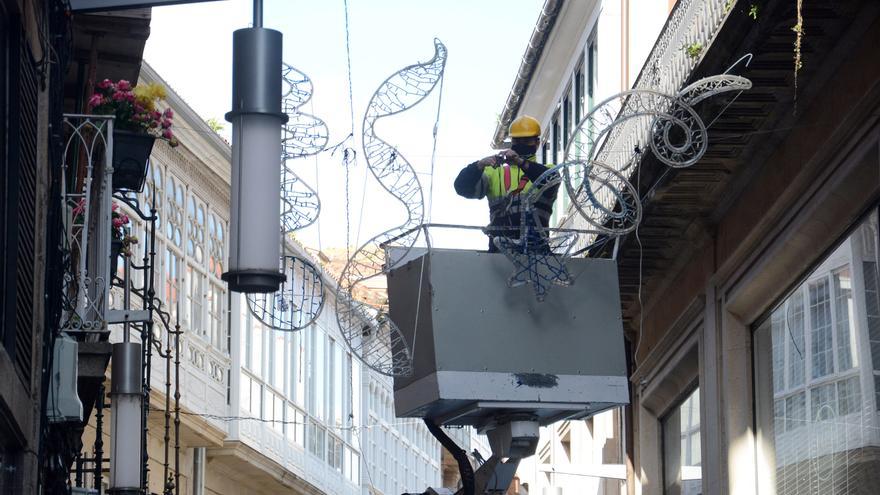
{"x": 666, "y": 70}
{"x": 86, "y": 185}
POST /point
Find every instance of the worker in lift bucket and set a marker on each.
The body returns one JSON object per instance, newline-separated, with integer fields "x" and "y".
{"x": 502, "y": 179}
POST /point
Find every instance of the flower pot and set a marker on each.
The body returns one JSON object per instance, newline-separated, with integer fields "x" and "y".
{"x": 131, "y": 150}
{"x": 115, "y": 251}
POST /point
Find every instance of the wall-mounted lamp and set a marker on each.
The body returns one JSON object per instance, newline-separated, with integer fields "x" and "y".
{"x": 257, "y": 120}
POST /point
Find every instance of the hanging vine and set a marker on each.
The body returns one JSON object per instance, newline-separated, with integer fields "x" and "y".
{"x": 799, "y": 35}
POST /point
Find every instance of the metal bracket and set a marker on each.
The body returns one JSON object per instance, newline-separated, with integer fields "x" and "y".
{"x": 127, "y": 316}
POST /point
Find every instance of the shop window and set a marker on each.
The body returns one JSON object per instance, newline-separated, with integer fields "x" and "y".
{"x": 682, "y": 454}
{"x": 820, "y": 399}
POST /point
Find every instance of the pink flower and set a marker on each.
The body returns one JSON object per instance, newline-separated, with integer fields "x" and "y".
{"x": 80, "y": 207}
{"x": 95, "y": 100}
{"x": 169, "y": 114}
{"x": 167, "y": 134}
{"x": 156, "y": 115}
{"x": 123, "y": 85}
{"x": 114, "y": 207}
{"x": 118, "y": 96}
{"x": 166, "y": 124}
{"x": 105, "y": 84}
{"x": 117, "y": 223}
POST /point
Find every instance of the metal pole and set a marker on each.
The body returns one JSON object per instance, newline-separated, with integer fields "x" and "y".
{"x": 258, "y": 13}
{"x": 177, "y": 333}
{"x": 126, "y": 298}
{"x": 99, "y": 439}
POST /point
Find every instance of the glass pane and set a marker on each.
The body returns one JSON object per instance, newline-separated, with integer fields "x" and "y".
{"x": 682, "y": 453}
{"x": 818, "y": 432}
{"x": 843, "y": 315}
{"x": 794, "y": 321}
{"x": 820, "y": 322}
{"x": 245, "y": 392}
{"x": 795, "y": 411}
{"x": 778, "y": 329}
{"x": 849, "y": 396}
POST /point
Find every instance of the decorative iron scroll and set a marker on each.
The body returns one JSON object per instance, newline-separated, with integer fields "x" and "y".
{"x": 368, "y": 331}
{"x": 300, "y": 299}
{"x": 601, "y": 194}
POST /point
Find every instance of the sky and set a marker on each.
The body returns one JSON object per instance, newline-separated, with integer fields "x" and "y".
{"x": 190, "y": 46}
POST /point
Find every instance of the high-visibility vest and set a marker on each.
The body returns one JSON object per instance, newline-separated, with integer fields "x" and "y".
{"x": 506, "y": 180}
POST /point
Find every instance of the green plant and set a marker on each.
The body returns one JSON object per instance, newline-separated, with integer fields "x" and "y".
{"x": 694, "y": 49}
{"x": 215, "y": 124}
{"x": 728, "y": 5}
{"x": 753, "y": 11}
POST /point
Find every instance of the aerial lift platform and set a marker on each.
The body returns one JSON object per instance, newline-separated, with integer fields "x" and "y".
{"x": 493, "y": 357}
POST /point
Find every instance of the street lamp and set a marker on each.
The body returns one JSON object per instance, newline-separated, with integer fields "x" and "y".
{"x": 126, "y": 399}
{"x": 257, "y": 121}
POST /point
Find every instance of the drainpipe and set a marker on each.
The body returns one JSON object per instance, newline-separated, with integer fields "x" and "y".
{"x": 530, "y": 60}
{"x": 198, "y": 474}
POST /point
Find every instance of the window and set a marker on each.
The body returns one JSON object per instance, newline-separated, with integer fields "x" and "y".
{"x": 216, "y": 321}
{"x": 195, "y": 244}
{"x": 592, "y": 70}
{"x": 216, "y": 246}
{"x": 558, "y": 145}
{"x": 579, "y": 101}
{"x": 682, "y": 454}
{"x": 172, "y": 282}
{"x": 566, "y": 120}
{"x": 195, "y": 293}
{"x": 816, "y": 414}
{"x": 174, "y": 213}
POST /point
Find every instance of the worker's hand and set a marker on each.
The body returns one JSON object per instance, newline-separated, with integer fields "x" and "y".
{"x": 511, "y": 157}
{"x": 489, "y": 161}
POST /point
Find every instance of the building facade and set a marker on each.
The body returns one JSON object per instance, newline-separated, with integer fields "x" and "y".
{"x": 748, "y": 290}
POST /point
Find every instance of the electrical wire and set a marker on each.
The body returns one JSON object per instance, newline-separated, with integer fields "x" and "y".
{"x": 220, "y": 417}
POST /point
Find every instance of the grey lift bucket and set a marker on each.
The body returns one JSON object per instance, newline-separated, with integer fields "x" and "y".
{"x": 483, "y": 350}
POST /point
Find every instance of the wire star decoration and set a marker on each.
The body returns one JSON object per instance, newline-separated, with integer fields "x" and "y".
{"x": 538, "y": 261}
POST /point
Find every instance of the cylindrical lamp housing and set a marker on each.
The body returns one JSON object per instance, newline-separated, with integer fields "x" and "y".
{"x": 126, "y": 398}
{"x": 257, "y": 121}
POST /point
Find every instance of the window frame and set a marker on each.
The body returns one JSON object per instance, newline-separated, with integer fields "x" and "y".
{"x": 689, "y": 391}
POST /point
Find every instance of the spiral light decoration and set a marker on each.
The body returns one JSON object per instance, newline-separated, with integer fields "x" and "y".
{"x": 300, "y": 299}
{"x": 369, "y": 331}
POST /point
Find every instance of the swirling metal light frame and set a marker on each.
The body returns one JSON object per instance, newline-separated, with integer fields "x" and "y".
{"x": 601, "y": 194}
{"x": 370, "y": 334}
{"x": 300, "y": 299}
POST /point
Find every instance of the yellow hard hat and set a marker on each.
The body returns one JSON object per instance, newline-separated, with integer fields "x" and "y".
{"x": 525, "y": 126}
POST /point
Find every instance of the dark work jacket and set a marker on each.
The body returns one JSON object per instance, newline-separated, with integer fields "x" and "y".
{"x": 503, "y": 195}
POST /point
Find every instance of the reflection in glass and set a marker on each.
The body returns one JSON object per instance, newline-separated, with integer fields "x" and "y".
{"x": 821, "y": 429}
